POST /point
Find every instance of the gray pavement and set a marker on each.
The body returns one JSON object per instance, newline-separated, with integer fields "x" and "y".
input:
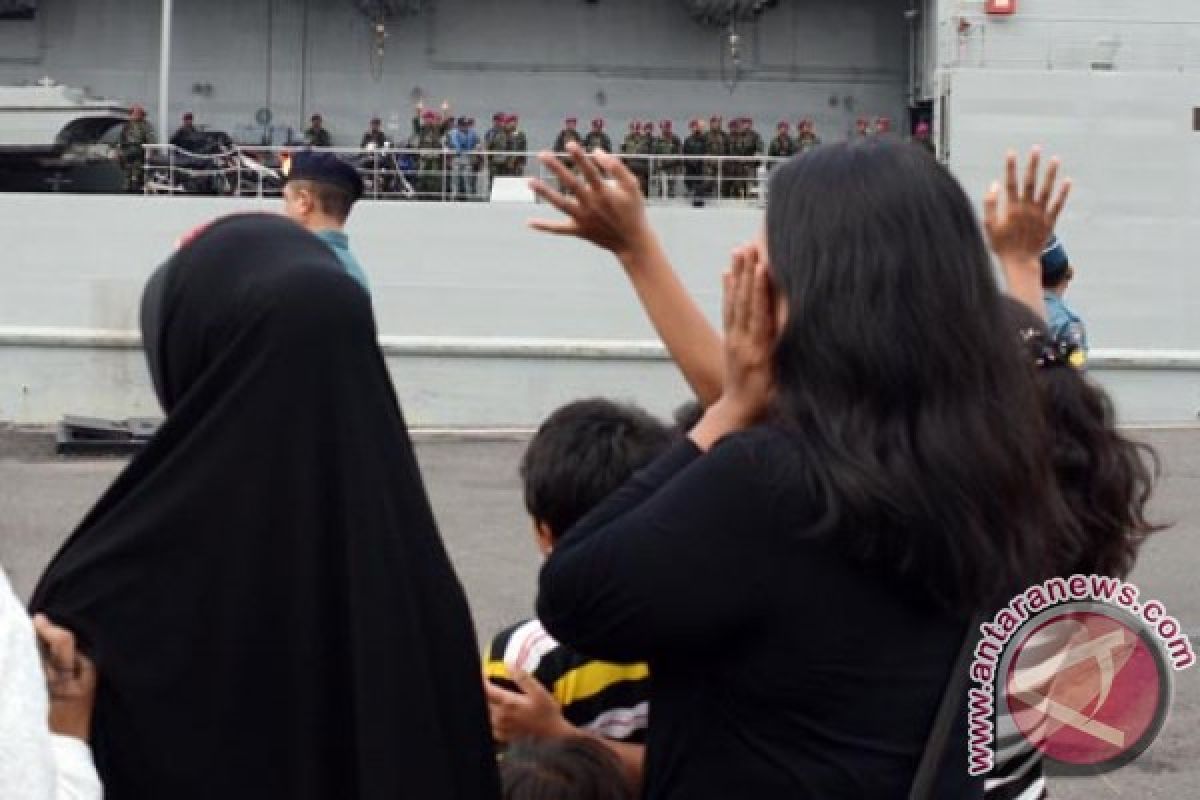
{"x": 475, "y": 493}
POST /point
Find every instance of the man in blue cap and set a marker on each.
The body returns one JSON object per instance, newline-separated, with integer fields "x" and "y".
{"x": 321, "y": 190}
{"x": 1057, "y": 273}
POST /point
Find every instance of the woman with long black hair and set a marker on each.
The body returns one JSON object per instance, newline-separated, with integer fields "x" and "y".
{"x": 867, "y": 477}
{"x": 263, "y": 590}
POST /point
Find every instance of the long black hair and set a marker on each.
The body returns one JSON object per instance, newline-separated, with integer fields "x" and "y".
{"x": 916, "y": 423}
{"x": 1105, "y": 477}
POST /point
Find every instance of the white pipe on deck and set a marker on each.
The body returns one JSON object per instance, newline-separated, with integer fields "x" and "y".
{"x": 164, "y": 72}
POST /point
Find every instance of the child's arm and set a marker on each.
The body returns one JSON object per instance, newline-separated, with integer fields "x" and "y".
{"x": 611, "y": 214}
{"x": 533, "y": 713}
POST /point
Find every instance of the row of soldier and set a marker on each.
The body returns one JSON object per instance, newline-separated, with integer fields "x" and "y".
{"x": 452, "y": 154}
{"x": 726, "y": 161}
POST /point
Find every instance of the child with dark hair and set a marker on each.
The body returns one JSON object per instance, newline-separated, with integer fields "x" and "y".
{"x": 580, "y": 455}
{"x": 1106, "y": 481}
{"x": 570, "y": 768}
{"x": 1065, "y": 324}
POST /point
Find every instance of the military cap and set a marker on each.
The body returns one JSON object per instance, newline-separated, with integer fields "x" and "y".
{"x": 1054, "y": 262}
{"x": 328, "y": 169}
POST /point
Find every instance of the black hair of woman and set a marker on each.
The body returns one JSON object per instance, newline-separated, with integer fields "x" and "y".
{"x": 912, "y": 414}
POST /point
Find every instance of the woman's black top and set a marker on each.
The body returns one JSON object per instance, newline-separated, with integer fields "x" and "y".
{"x": 779, "y": 667}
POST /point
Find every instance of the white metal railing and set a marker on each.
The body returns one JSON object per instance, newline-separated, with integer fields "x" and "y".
{"x": 406, "y": 173}
{"x": 1029, "y": 42}
{"x": 1114, "y": 359}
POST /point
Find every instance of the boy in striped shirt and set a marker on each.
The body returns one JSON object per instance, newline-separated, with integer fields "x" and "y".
{"x": 537, "y": 687}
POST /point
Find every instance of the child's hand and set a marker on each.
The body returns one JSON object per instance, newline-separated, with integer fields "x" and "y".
{"x": 532, "y": 712}
{"x": 70, "y": 680}
{"x": 1018, "y": 232}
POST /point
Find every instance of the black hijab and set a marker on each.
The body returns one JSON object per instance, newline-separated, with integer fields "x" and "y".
{"x": 263, "y": 589}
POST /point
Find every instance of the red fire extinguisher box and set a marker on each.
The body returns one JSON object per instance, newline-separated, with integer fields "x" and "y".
{"x": 1001, "y": 6}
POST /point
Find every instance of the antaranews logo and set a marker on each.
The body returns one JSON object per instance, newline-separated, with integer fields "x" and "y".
{"x": 1081, "y": 669}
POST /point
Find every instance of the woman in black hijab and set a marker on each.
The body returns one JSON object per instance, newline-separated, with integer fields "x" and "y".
{"x": 264, "y": 590}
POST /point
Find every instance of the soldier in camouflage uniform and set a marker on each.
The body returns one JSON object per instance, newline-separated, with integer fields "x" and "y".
{"x": 782, "y": 146}
{"x": 753, "y": 147}
{"x": 430, "y": 159}
{"x": 496, "y": 130}
{"x": 806, "y": 137}
{"x": 597, "y": 139}
{"x": 497, "y": 143}
{"x": 696, "y": 144}
{"x": 667, "y": 170}
{"x": 568, "y": 134}
{"x": 135, "y": 134}
{"x": 716, "y": 144}
{"x": 732, "y": 169}
{"x": 744, "y": 143}
{"x": 517, "y": 142}
{"x": 636, "y": 144}
{"x": 317, "y": 135}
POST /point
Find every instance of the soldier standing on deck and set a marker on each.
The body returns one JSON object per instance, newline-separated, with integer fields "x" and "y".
{"x": 752, "y": 146}
{"x": 494, "y": 131}
{"x": 782, "y": 146}
{"x": 374, "y": 137}
{"x": 518, "y": 143}
{"x": 497, "y": 143}
{"x": 733, "y": 170}
{"x": 634, "y": 149}
{"x": 668, "y": 147}
{"x": 429, "y": 142}
{"x": 135, "y": 135}
{"x": 696, "y": 144}
{"x": 597, "y": 139}
{"x": 806, "y": 138}
{"x": 568, "y": 134}
{"x": 716, "y": 144}
{"x": 317, "y": 135}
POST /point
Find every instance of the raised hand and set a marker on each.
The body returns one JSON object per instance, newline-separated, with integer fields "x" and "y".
{"x": 608, "y": 212}
{"x": 749, "y": 316}
{"x": 1018, "y": 231}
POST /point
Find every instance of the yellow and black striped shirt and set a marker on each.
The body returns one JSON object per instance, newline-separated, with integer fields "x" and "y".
{"x": 612, "y": 700}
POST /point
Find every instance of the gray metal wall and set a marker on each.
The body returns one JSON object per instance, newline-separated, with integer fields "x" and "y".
{"x": 485, "y": 323}
{"x": 832, "y": 60}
